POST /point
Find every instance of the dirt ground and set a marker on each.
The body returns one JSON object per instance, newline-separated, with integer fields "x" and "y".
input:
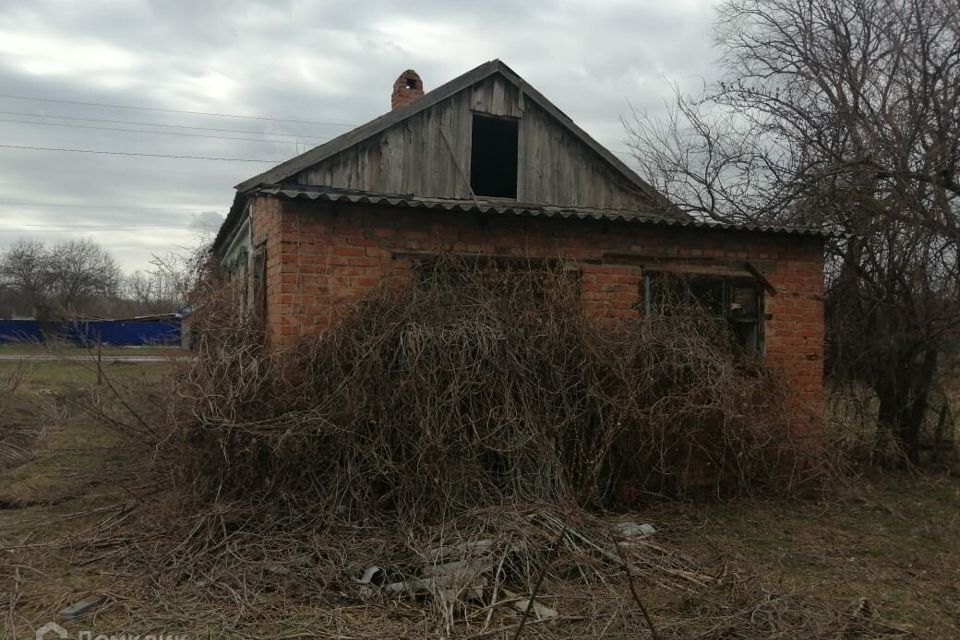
{"x": 888, "y": 545}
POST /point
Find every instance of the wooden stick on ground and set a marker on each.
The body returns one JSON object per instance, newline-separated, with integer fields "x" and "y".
{"x": 543, "y": 573}
{"x": 633, "y": 591}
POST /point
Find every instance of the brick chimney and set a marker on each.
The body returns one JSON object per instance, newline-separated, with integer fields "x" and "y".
{"x": 406, "y": 89}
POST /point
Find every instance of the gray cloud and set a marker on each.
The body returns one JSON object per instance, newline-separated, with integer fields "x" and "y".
{"x": 318, "y": 61}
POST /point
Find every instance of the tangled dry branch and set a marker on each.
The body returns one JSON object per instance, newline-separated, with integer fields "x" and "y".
{"x": 469, "y": 386}
{"x": 453, "y": 440}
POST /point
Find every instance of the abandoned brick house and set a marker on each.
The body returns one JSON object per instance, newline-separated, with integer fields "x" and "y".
{"x": 487, "y": 165}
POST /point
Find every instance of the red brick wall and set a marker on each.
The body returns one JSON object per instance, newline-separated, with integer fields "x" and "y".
{"x": 323, "y": 257}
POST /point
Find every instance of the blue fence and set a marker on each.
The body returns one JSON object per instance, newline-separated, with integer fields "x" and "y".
{"x": 114, "y": 332}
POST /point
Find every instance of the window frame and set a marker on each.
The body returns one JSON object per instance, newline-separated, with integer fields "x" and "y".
{"x": 729, "y": 282}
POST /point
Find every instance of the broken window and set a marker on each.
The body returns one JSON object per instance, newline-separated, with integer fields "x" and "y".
{"x": 739, "y": 301}
{"x": 493, "y": 157}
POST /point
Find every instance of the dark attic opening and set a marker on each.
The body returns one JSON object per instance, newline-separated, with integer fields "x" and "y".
{"x": 493, "y": 159}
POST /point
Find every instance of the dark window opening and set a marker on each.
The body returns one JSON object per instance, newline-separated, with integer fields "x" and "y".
{"x": 739, "y": 301}
{"x": 260, "y": 283}
{"x": 493, "y": 157}
{"x": 411, "y": 83}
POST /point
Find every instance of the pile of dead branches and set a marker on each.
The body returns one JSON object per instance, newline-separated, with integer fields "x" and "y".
{"x": 438, "y": 463}
{"x": 550, "y": 571}
{"x": 468, "y": 386}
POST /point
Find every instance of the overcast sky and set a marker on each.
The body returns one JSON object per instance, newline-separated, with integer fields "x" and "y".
{"x": 318, "y": 68}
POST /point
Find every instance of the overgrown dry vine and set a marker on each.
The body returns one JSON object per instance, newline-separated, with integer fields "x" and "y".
{"x": 472, "y": 418}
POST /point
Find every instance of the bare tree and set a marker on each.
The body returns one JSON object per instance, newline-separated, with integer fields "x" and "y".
{"x": 176, "y": 273}
{"x": 168, "y": 284}
{"x": 846, "y": 114}
{"x": 59, "y": 280}
{"x": 81, "y": 270}
{"x": 160, "y": 289}
{"x": 24, "y": 272}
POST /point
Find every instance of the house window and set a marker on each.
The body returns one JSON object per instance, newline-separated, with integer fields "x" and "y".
{"x": 259, "y": 282}
{"x": 493, "y": 157}
{"x": 739, "y": 301}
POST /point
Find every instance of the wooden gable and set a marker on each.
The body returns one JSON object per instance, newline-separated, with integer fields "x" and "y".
{"x": 424, "y": 149}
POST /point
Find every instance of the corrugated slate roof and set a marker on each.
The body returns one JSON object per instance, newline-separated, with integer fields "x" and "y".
{"x": 524, "y": 210}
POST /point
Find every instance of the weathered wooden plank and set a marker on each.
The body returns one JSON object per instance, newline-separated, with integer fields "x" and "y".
{"x": 429, "y": 154}
{"x": 409, "y": 154}
{"x": 462, "y": 144}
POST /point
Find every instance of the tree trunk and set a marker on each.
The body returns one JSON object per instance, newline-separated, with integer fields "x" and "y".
{"x": 903, "y": 392}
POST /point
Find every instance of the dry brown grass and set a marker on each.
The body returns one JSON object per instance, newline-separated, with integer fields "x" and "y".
{"x": 16, "y": 430}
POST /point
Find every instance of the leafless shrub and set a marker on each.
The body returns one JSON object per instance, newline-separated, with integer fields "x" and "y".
{"x": 472, "y": 386}
{"x": 858, "y": 440}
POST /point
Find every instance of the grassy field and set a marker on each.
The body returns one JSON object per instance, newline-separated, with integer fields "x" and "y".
{"x": 887, "y": 545}
{"x": 35, "y": 349}
{"x": 67, "y": 444}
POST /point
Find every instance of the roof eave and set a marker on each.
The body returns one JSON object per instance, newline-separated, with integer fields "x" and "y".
{"x": 230, "y": 226}
{"x": 549, "y": 212}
